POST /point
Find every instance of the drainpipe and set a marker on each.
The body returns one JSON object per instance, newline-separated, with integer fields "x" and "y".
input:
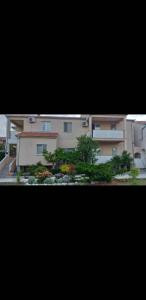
{"x": 133, "y": 140}
{"x": 7, "y": 148}
{"x": 142, "y": 130}
{"x": 18, "y": 151}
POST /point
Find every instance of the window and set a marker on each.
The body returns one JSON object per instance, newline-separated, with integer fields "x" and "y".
{"x": 99, "y": 152}
{"x": 137, "y": 155}
{"x": 97, "y": 126}
{"x": 69, "y": 149}
{"x": 113, "y": 126}
{"x": 47, "y": 126}
{"x": 68, "y": 127}
{"x": 114, "y": 151}
{"x": 41, "y": 148}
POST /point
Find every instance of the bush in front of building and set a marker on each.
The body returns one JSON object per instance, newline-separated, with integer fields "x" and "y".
{"x": 41, "y": 176}
{"x": 121, "y": 164}
{"x": 38, "y": 168}
{"x": 102, "y": 172}
{"x": 67, "y": 169}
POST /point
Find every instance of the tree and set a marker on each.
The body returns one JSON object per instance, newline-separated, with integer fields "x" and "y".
{"x": 122, "y": 163}
{"x": 2, "y": 152}
{"x": 126, "y": 160}
{"x": 87, "y": 149}
{"x": 62, "y": 157}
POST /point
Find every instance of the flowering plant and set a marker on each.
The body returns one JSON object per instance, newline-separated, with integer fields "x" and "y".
{"x": 67, "y": 169}
{"x": 41, "y": 176}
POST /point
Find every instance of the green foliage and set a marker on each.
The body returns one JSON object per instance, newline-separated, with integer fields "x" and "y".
{"x": 48, "y": 181}
{"x": 121, "y": 164}
{"x": 87, "y": 149}
{"x": 41, "y": 176}
{"x": 67, "y": 169}
{"x": 32, "y": 180}
{"x": 2, "y": 152}
{"x": 134, "y": 173}
{"x": 101, "y": 172}
{"x": 34, "y": 169}
{"x": 2, "y": 155}
{"x": 18, "y": 177}
{"x": 62, "y": 157}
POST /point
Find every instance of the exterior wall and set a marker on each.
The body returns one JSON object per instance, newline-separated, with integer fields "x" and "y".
{"x": 130, "y": 137}
{"x": 106, "y": 148}
{"x": 65, "y": 140}
{"x": 26, "y": 147}
{"x": 144, "y": 139}
{"x": 27, "y": 150}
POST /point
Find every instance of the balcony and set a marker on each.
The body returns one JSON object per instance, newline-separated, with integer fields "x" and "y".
{"x": 103, "y": 159}
{"x": 108, "y": 134}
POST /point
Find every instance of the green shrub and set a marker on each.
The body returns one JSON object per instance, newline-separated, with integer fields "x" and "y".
{"x": 67, "y": 169}
{"x": 32, "y": 180}
{"x": 41, "y": 176}
{"x": 102, "y": 172}
{"x": 34, "y": 169}
{"x": 134, "y": 173}
{"x": 48, "y": 181}
{"x": 2, "y": 155}
{"x": 18, "y": 178}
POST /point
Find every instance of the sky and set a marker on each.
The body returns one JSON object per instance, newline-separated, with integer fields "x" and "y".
{"x": 3, "y": 121}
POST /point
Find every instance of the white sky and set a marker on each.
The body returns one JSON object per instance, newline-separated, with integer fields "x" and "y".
{"x": 3, "y": 121}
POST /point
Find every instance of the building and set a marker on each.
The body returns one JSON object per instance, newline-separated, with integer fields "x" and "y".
{"x": 29, "y": 135}
{"x": 2, "y": 141}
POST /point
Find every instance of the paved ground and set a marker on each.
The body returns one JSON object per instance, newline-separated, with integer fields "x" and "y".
{"x": 8, "y": 180}
{"x": 127, "y": 176}
{"x": 5, "y": 170}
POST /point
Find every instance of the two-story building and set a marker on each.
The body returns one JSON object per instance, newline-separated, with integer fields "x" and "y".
{"x": 29, "y": 135}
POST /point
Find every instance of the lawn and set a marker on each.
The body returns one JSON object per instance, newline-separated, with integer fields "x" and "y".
{"x": 138, "y": 182}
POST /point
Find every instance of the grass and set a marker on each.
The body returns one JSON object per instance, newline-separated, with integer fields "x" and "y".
{"x": 137, "y": 182}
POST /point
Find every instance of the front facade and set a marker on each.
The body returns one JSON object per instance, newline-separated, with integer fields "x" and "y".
{"x": 29, "y": 135}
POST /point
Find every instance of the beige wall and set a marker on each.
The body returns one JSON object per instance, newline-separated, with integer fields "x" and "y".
{"x": 65, "y": 140}
{"x": 130, "y": 136}
{"x": 27, "y": 150}
{"x": 106, "y": 148}
{"x": 27, "y": 146}
{"x": 106, "y": 125}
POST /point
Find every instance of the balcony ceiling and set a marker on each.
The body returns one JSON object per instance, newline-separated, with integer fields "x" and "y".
{"x": 18, "y": 123}
{"x": 108, "y": 118}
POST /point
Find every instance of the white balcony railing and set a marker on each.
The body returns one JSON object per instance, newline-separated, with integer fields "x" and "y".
{"x": 103, "y": 159}
{"x": 108, "y": 134}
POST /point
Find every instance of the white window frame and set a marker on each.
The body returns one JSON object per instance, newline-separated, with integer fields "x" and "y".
{"x": 116, "y": 151}
{"x": 67, "y": 127}
{"x": 41, "y": 145}
{"x": 47, "y": 126}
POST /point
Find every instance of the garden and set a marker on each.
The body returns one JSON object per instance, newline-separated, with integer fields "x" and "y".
{"x": 2, "y": 152}
{"x": 78, "y": 167}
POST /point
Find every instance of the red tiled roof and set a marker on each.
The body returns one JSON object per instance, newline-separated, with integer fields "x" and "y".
{"x": 39, "y": 134}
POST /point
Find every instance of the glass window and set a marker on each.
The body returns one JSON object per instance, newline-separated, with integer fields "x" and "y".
{"x": 47, "y": 126}
{"x": 97, "y": 126}
{"x": 137, "y": 155}
{"x": 113, "y": 126}
{"x": 68, "y": 127}
{"x": 41, "y": 148}
{"x": 114, "y": 151}
{"x": 69, "y": 149}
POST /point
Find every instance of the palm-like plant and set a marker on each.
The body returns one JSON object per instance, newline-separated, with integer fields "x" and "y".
{"x": 126, "y": 160}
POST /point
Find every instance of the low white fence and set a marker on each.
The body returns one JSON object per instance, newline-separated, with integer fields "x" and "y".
{"x": 4, "y": 162}
{"x": 12, "y": 166}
